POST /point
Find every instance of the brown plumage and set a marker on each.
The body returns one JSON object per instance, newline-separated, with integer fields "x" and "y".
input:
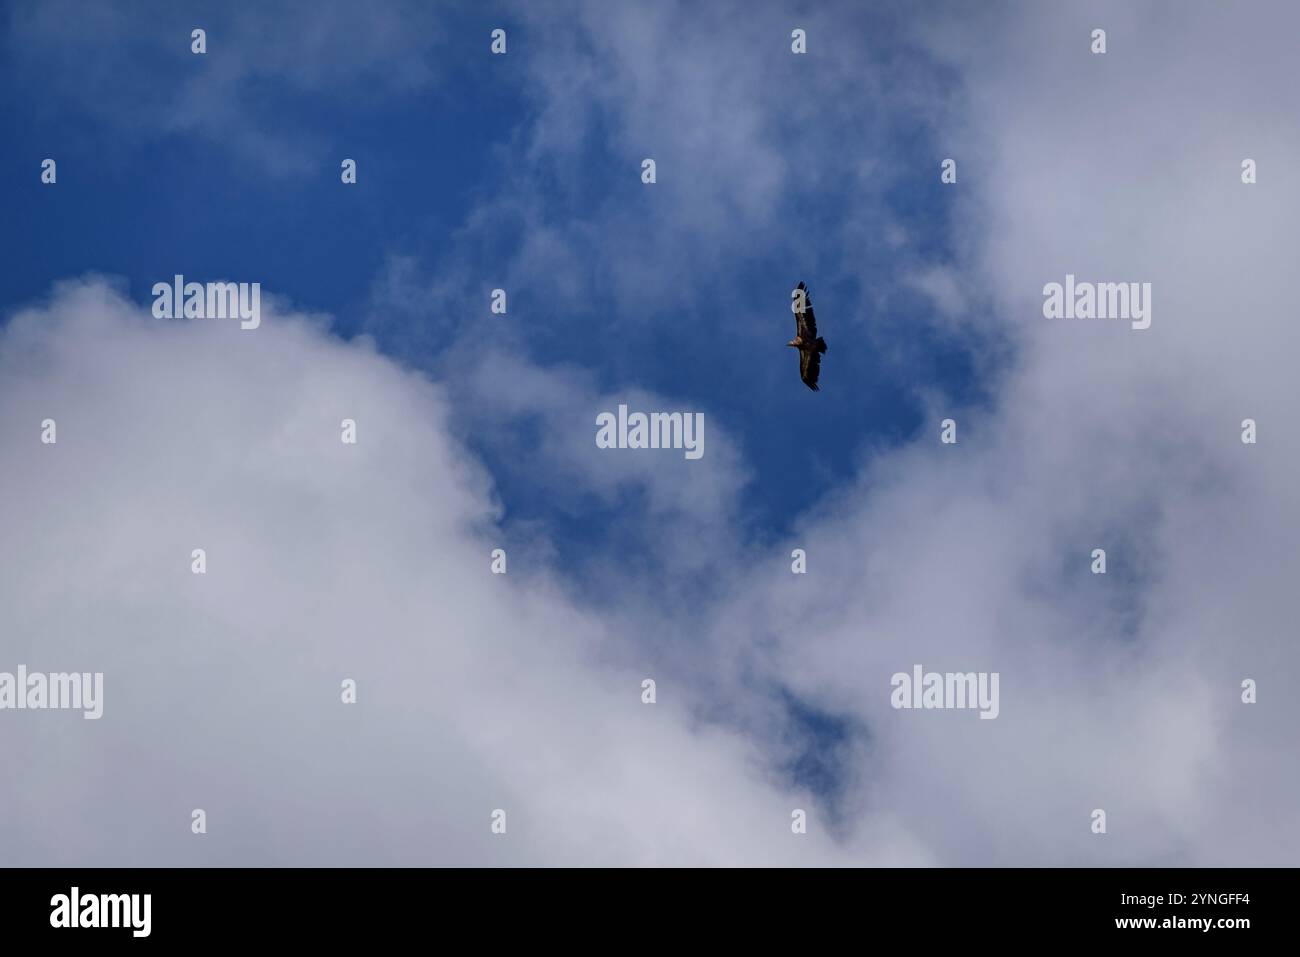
{"x": 810, "y": 345}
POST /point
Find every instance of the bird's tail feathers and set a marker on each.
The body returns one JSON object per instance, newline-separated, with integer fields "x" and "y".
{"x": 821, "y": 344}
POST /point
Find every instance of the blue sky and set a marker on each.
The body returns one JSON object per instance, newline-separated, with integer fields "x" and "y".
{"x": 153, "y": 202}
{"x": 522, "y": 172}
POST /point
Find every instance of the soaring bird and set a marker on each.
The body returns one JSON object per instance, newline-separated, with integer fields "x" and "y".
{"x": 810, "y": 345}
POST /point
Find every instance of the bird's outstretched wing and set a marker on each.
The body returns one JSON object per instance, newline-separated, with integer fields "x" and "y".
{"x": 805, "y": 321}
{"x": 810, "y": 367}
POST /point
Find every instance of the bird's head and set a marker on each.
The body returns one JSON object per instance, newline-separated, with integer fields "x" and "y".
{"x": 796, "y": 342}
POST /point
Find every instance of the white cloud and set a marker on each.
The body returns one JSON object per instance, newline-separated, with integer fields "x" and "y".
{"x": 325, "y": 561}
{"x": 1120, "y": 692}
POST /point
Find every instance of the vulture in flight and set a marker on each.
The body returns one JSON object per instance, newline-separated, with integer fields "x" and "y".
{"x": 810, "y": 345}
